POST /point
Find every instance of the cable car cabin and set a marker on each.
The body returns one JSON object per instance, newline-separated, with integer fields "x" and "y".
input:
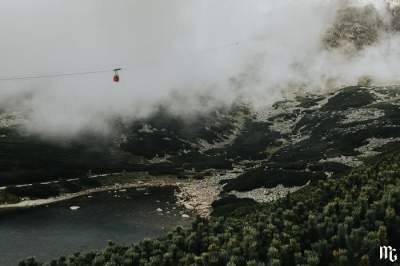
{"x": 116, "y": 75}
{"x": 116, "y": 78}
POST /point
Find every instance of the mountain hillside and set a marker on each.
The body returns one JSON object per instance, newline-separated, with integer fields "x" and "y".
{"x": 291, "y": 143}
{"x": 340, "y": 219}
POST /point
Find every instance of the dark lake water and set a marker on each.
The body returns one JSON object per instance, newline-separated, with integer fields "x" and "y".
{"x": 51, "y": 231}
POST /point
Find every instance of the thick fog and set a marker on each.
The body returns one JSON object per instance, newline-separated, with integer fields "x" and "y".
{"x": 188, "y": 54}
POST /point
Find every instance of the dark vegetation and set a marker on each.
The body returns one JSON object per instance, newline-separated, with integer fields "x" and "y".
{"x": 202, "y": 161}
{"x": 252, "y": 142}
{"x": 336, "y": 221}
{"x": 230, "y": 204}
{"x": 29, "y": 159}
{"x": 260, "y": 177}
{"x": 165, "y": 133}
{"x": 308, "y": 101}
{"x": 350, "y": 97}
{"x": 327, "y": 137}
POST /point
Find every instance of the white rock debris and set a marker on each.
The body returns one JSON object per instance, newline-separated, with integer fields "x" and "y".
{"x": 198, "y": 195}
{"x": 374, "y": 143}
{"x": 365, "y": 151}
{"x": 382, "y": 95}
{"x": 351, "y": 161}
{"x": 264, "y": 195}
{"x": 282, "y": 125}
{"x": 364, "y": 114}
{"x": 264, "y": 114}
{"x": 323, "y": 101}
{"x": 147, "y": 129}
{"x": 160, "y": 159}
{"x": 24, "y": 185}
{"x": 11, "y": 119}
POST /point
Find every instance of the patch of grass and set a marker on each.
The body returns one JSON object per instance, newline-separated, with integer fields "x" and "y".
{"x": 260, "y": 177}
{"x": 229, "y": 204}
{"x": 350, "y": 97}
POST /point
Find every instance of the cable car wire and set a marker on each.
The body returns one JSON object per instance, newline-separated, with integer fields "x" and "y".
{"x": 59, "y": 75}
{"x": 115, "y": 70}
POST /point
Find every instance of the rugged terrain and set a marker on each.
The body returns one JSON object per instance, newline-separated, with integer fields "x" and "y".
{"x": 343, "y": 150}
{"x": 236, "y": 151}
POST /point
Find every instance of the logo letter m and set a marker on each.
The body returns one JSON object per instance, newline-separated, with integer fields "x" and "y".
{"x": 387, "y": 252}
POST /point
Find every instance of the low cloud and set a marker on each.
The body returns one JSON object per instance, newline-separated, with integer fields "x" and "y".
{"x": 186, "y": 54}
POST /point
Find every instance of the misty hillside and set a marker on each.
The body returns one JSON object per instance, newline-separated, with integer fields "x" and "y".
{"x": 295, "y": 141}
{"x": 310, "y": 135}
{"x": 342, "y": 145}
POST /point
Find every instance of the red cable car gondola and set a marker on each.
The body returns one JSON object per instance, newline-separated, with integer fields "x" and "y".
{"x": 116, "y": 75}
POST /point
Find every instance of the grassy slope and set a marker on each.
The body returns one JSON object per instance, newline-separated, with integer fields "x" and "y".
{"x": 31, "y": 159}
{"x": 26, "y": 159}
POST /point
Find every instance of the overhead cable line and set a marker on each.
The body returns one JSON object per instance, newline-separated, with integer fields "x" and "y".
{"x": 46, "y": 76}
{"x": 115, "y": 70}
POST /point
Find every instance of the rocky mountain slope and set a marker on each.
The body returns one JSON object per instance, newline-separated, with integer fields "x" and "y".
{"x": 341, "y": 220}
{"x": 294, "y": 142}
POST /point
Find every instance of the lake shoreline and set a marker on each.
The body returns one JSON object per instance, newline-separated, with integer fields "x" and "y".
{"x": 123, "y": 216}
{"x": 156, "y": 182}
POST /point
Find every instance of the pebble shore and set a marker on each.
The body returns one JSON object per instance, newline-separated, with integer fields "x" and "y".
{"x": 194, "y": 195}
